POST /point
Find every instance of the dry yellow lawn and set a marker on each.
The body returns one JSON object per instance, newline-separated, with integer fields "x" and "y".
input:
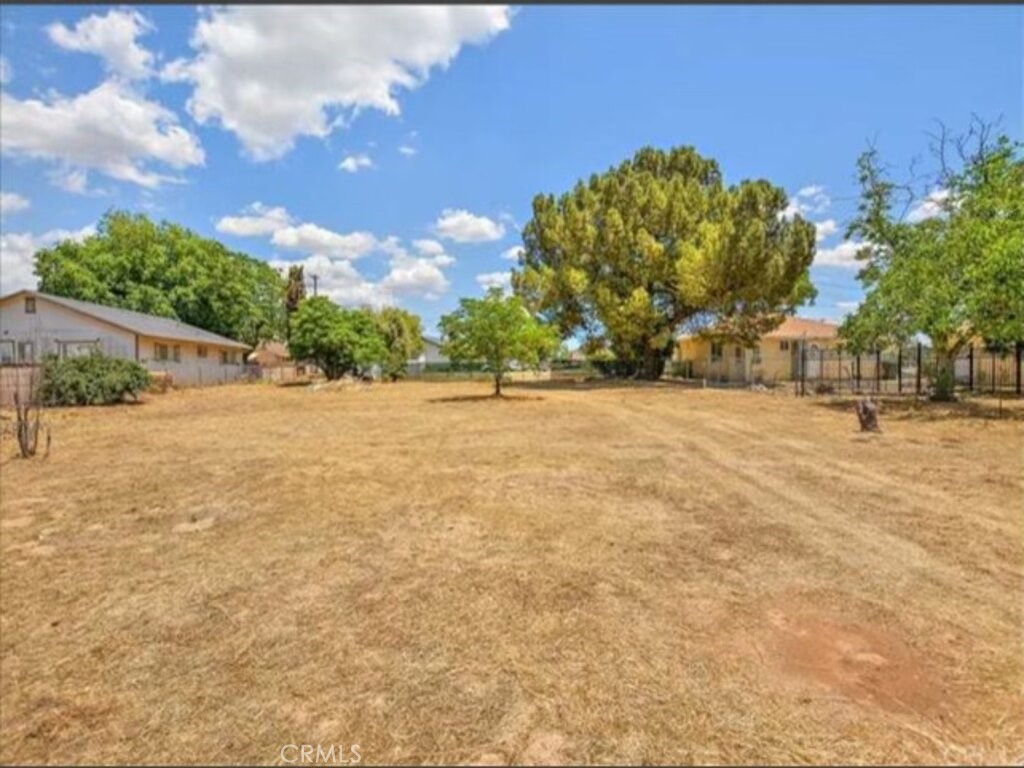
{"x": 584, "y": 574}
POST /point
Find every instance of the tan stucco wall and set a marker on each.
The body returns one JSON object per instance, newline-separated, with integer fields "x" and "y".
{"x": 740, "y": 363}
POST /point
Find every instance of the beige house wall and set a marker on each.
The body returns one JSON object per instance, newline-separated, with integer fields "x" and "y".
{"x": 771, "y": 360}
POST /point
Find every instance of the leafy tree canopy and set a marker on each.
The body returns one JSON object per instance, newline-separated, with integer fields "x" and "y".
{"x": 402, "y": 333}
{"x": 498, "y": 330}
{"x": 633, "y": 254}
{"x": 165, "y": 269}
{"x": 956, "y": 277}
{"x": 340, "y": 341}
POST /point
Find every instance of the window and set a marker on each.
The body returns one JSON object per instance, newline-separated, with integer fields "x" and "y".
{"x": 757, "y": 354}
{"x": 78, "y": 348}
{"x": 716, "y": 350}
{"x": 6, "y": 352}
{"x": 30, "y": 305}
{"x": 26, "y": 352}
{"x": 738, "y": 353}
{"x": 176, "y": 353}
{"x": 160, "y": 352}
{"x": 223, "y": 357}
{"x": 784, "y": 346}
{"x": 201, "y": 352}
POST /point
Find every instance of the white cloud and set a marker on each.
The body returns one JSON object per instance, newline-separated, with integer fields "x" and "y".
{"x": 501, "y": 280}
{"x": 931, "y": 206}
{"x": 849, "y": 306}
{"x": 407, "y": 276}
{"x": 112, "y": 38}
{"x": 825, "y": 229}
{"x": 110, "y": 129}
{"x": 257, "y": 219}
{"x": 808, "y": 200}
{"x": 12, "y": 202}
{"x": 354, "y": 163}
{"x": 406, "y": 150}
{"x": 416, "y": 277}
{"x": 513, "y": 253}
{"x": 316, "y": 239}
{"x": 340, "y": 281}
{"x": 465, "y": 227}
{"x": 843, "y": 255}
{"x": 6, "y": 73}
{"x": 75, "y": 181}
{"x": 18, "y": 249}
{"x": 428, "y": 247}
{"x": 272, "y": 74}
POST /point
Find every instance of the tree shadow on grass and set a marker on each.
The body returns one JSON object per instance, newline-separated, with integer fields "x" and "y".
{"x": 482, "y": 399}
{"x": 568, "y": 384}
{"x": 923, "y": 410}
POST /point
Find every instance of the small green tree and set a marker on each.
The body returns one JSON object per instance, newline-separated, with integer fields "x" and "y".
{"x": 403, "y": 340}
{"x": 339, "y": 341}
{"x": 497, "y": 330}
{"x": 955, "y": 277}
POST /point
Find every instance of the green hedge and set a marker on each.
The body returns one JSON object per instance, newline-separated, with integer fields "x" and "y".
{"x": 91, "y": 380}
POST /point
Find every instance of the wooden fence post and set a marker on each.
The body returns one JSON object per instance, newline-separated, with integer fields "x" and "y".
{"x": 970, "y": 365}
{"x": 899, "y": 370}
{"x": 878, "y": 371}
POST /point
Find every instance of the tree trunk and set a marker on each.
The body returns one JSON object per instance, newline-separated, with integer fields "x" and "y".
{"x": 653, "y": 365}
{"x": 497, "y": 384}
{"x": 867, "y": 414}
{"x": 943, "y": 384}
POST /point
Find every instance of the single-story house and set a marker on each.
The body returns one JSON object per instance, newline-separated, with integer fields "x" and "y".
{"x": 431, "y": 354}
{"x": 775, "y": 357}
{"x": 34, "y": 324}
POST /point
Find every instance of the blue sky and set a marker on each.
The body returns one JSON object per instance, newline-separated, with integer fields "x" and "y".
{"x": 236, "y": 122}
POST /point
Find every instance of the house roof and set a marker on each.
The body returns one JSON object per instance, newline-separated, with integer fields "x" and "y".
{"x": 801, "y": 327}
{"x": 268, "y": 352}
{"x": 137, "y": 322}
{"x": 795, "y": 328}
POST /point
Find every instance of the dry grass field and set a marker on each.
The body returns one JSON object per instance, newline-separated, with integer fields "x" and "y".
{"x": 574, "y": 574}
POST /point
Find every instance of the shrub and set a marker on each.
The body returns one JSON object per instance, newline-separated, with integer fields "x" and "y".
{"x": 91, "y": 380}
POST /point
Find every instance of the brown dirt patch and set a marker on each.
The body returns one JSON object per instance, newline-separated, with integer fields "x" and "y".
{"x": 864, "y": 663}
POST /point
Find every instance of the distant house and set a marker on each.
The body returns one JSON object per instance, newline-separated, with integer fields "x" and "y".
{"x": 776, "y": 356}
{"x": 274, "y": 362}
{"x": 34, "y": 324}
{"x": 431, "y": 355}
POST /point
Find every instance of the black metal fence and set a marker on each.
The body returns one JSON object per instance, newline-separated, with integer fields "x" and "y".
{"x": 912, "y": 370}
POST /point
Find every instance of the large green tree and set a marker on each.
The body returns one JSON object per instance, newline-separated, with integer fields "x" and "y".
{"x": 402, "y": 333}
{"x": 633, "y": 254}
{"x": 340, "y": 341}
{"x": 497, "y": 330}
{"x": 957, "y": 276}
{"x": 165, "y": 269}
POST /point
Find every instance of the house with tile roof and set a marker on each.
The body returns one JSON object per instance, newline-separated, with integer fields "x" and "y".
{"x": 34, "y": 324}
{"x": 775, "y": 357}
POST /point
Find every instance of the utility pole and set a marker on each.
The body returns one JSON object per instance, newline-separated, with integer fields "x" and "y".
{"x": 316, "y": 279}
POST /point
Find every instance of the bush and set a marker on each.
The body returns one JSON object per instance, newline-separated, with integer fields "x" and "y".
{"x": 92, "y": 380}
